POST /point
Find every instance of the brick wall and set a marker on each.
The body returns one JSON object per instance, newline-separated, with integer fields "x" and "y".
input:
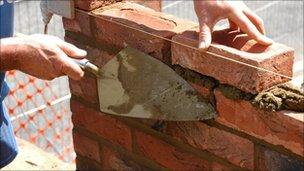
{"x": 241, "y": 137}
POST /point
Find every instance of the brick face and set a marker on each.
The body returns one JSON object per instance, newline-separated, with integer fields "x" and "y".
{"x": 277, "y": 58}
{"x": 149, "y": 27}
{"x": 81, "y": 89}
{"x": 213, "y": 140}
{"x": 274, "y": 127}
{"x": 166, "y": 155}
{"x": 204, "y": 91}
{"x": 80, "y": 24}
{"x": 81, "y": 144}
{"x": 268, "y": 159}
{"x": 89, "y": 5}
{"x": 114, "y": 161}
{"x": 101, "y": 124}
{"x": 83, "y": 163}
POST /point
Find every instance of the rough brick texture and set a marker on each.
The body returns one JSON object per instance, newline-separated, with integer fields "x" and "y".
{"x": 83, "y": 163}
{"x": 215, "y": 141}
{"x": 101, "y": 124}
{"x": 167, "y": 155}
{"x": 114, "y": 161}
{"x": 89, "y": 5}
{"x": 276, "y": 58}
{"x": 111, "y": 26}
{"x": 275, "y": 127}
{"x": 142, "y": 21}
{"x": 81, "y": 147}
{"x": 80, "y": 24}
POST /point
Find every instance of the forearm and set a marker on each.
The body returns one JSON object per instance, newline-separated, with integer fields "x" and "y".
{"x": 10, "y": 50}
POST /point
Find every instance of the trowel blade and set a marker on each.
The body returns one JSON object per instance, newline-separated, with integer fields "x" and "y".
{"x": 134, "y": 84}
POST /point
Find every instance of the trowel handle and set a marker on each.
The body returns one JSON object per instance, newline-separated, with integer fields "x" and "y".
{"x": 87, "y": 65}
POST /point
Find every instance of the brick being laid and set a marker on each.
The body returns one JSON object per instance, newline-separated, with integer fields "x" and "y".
{"x": 235, "y": 60}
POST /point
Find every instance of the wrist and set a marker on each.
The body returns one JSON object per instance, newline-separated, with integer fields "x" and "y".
{"x": 12, "y": 50}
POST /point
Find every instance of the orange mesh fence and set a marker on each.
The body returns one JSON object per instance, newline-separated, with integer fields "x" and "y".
{"x": 40, "y": 113}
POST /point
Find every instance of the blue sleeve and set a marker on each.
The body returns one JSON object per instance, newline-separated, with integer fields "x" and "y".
{"x": 8, "y": 146}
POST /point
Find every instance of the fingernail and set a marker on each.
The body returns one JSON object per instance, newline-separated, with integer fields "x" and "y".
{"x": 268, "y": 40}
{"x": 82, "y": 52}
{"x": 202, "y": 46}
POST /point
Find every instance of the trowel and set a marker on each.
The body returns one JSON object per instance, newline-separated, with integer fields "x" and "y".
{"x": 134, "y": 84}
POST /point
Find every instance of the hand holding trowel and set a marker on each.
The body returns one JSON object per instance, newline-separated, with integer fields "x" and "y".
{"x": 134, "y": 84}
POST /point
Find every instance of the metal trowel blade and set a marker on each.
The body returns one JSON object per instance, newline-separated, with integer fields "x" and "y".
{"x": 134, "y": 84}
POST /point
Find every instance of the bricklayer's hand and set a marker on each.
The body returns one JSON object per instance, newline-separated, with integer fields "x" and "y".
{"x": 44, "y": 56}
{"x": 238, "y": 14}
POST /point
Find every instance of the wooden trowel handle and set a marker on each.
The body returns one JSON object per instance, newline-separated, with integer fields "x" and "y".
{"x": 87, "y": 65}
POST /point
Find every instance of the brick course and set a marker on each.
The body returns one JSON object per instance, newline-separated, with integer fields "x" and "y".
{"x": 166, "y": 155}
{"x": 218, "y": 142}
{"x": 275, "y": 127}
{"x": 101, "y": 124}
{"x": 115, "y": 161}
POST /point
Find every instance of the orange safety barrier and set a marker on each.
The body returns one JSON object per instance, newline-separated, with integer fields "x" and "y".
{"x": 40, "y": 113}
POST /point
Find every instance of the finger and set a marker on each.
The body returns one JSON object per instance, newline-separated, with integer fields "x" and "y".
{"x": 256, "y": 20}
{"x": 247, "y": 27}
{"x": 232, "y": 25}
{"x": 204, "y": 37}
{"x": 69, "y": 67}
{"x": 71, "y": 50}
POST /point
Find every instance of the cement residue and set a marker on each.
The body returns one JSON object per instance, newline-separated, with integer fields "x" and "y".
{"x": 234, "y": 93}
{"x": 195, "y": 77}
{"x": 281, "y": 97}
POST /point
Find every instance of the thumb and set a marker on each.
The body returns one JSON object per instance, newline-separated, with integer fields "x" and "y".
{"x": 72, "y": 50}
{"x": 204, "y": 37}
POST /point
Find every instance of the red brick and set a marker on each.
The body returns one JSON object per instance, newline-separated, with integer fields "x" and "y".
{"x": 86, "y": 88}
{"x": 150, "y": 27}
{"x": 277, "y": 58}
{"x": 89, "y": 5}
{"x": 83, "y": 163}
{"x": 219, "y": 167}
{"x": 114, "y": 161}
{"x": 218, "y": 142}
{"x": 204, "y": 91}
{"x": 167, "y": 155}
{"x": 86, "y": 147}
{"x": 101, "y": 124}
{"x": 80, "y": 24}
{"x": 278, "y": 128}
{"x": 268, "y": 159}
